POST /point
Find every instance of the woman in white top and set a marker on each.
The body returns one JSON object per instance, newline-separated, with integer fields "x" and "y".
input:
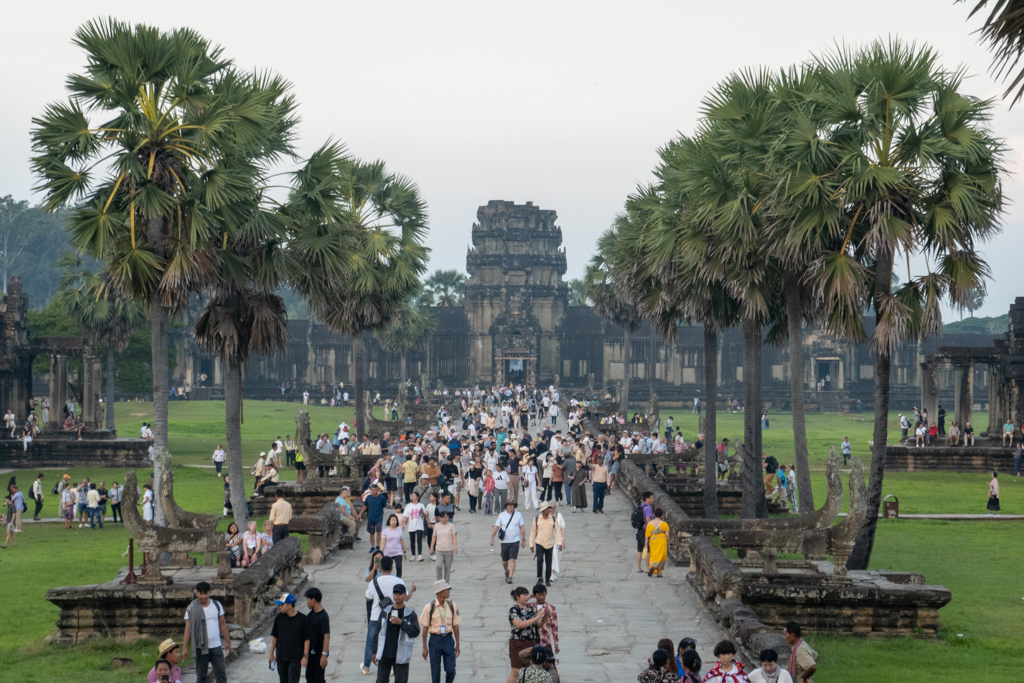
{"x": 529, "y": 474}
{"x": 252, "y": 544}
{"x": 147, "y": 503}
{"x": 218, "y": 459}
{"x": 415, "y": 513}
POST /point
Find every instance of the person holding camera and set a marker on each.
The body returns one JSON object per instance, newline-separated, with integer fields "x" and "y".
{"x": 166, "y": 669}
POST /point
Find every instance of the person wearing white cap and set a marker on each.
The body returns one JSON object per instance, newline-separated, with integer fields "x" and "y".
{"x": 289, "y": 645}
{"x": 545, "y": 535}
{"x": 440, "y": 621}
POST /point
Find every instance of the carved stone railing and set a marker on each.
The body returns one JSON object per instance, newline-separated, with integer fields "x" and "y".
{"x": 323, "y": 529}
{"x": 176, "y": 517}
{"x": 154, "y": 540}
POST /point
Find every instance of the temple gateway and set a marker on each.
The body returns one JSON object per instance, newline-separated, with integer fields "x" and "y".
{"x": 517, "y": 325}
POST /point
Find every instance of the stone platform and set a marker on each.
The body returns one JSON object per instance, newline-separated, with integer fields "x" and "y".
{"x": 129, "y": 612}
{"x": 689, "y": 495}
{"x": 981, "y": 458}
{"x": 55, "y": 449}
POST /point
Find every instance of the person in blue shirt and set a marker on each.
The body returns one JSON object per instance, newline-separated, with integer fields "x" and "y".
{"x": 375, "y": 504}
{"x": 349, "y": 520}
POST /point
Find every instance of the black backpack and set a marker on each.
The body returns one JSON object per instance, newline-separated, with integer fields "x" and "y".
{"x": 636, "y": 520}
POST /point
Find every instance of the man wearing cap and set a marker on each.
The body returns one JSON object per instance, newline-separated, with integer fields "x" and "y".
{"x": 380, "y": 589}
{"x": 397, "y": 631}
{"x": 440, "y": 621}
{"x": 512, "y": 528}
{"x": 170, "y": 651}
{"x": 289, "y": 645}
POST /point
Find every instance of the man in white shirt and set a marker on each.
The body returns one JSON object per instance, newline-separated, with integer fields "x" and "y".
{"x": 511, "y": 523}
{"x": 382, "y": 585}
{"x": 305, "y": 397}
{"x": 211, "y": 645}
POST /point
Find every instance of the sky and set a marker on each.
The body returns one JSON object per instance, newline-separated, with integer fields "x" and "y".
{"x": 560, "y": 103}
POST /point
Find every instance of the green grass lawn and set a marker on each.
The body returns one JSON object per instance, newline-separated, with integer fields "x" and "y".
{"x": 977, "y": 561}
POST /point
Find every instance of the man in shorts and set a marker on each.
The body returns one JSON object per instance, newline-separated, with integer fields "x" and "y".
{"x": 375, "y": 504}
{"x": 513, "y": 528}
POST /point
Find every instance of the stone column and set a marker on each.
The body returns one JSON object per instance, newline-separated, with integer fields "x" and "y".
{"x": 58, "y": 389}
{"x": 929, "y": 388}
{"x": 88, "y": 392}
{"x": 993, "y": 400}
{"x": 965, "y": 393}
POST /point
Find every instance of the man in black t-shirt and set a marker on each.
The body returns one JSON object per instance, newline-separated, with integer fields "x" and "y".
{"x": 319, "y": 625}
{"x": 290, "y": 644}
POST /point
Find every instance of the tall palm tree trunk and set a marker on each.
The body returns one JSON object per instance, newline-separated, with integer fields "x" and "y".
{"x": 158, "y": 318}
{"x": 233, "y": 438}
{"x": 753, "y": 485}
{"x": 861, "y": 555}
{"x": 357, "y": 359}
{"x": 652, "y": 365}
{"x": 794, "y": 317}
{"x": 627, "y": 370}
{"x": 110, "y": 387}
{"x": 710, "y": 437}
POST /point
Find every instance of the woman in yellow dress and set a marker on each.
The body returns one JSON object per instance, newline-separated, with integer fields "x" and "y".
{"x": 657, "y": 544}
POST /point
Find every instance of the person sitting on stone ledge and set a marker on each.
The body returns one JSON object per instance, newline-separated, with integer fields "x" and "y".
{"x": 954, "y": 434}
{"x": 933, "y": 434}
{"x": 968, "y": 434}
{"x": 270, "y": 476}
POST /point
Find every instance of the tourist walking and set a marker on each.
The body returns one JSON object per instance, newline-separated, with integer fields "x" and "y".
{"x": 415, "y": 514}
{"x": 393, "y": 541}
{"x": 547, "y": 629}
{"x": 599, "y": 478}
{"x": 544, "y": 536}
{"x": 726, "y": 670}
{"x": 218, "y": 459}
{"x": 769, "y": 671}
{"x": 280, "y": 515}
{"x": 847, "y": 448}
{"x": 688, "y": 662}
{"x": 37, "y": 495}
{"x": 657, "y": 544}
{"x": 1017, "y": 455}
{"x": 444, "y": 545}
{"x": 993, "y": 495}
{"x": 374, "y": 505}
{"x": 514, "y": 483}
{"x": 722, "y": 459}
{"x": 803, "y": 660}
{"x": 530, "y": 483}
{"x": 289, "y": 645}
{"x": 206, "y": 631}
{"x": 397, "y": 632}
{"x": 501, "y": 484}
{"x": 540, "y": 666}
{"x": 379, "y": 593}
{"x": 440, "y": 622}
{"x": 579, "y": 485}
{"x": 10, "y": 510}
{"x": 510, "y": 528}
{"x": 556, "y": 562}
{"x": 524, "y": 620}
{"x": 643, "y": 514}
{"x": 318, "y": 625}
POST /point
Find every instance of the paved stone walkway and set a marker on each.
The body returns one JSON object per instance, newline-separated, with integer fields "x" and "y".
{"x": 610, "y": 616}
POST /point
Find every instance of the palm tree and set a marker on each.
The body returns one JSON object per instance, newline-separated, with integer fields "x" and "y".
{"x": 611, "y": 299}
{"x": 180, "y": 139}
{"x": 919, "y": 177}
{"x": 409, "y": 331}
{"x": 378, "y": 218}
{"x": 1004, "y": 32}
{"x": 445, "y": 288}
{"x": 86, "y": 298}
{"x": 577, "y": 292}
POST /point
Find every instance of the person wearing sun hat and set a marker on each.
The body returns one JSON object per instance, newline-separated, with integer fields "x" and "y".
{"x": 440, "y": 622}
{"x": 169, "y": 651}
{"x": 289, "y": 645}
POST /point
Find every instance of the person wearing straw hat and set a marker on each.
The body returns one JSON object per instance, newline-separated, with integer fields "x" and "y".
{"x": 170, "y": 652}
{"x": 440, "y": 621}
{"x": 544, "y": 536}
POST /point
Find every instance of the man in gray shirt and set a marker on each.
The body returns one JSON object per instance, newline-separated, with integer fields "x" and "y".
{"x": 568, "y": 471}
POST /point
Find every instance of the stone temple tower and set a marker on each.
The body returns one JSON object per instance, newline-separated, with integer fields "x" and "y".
{"x": 515, "y": 296}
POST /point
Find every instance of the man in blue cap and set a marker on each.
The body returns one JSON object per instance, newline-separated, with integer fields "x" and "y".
{"x": 290, "y": 644}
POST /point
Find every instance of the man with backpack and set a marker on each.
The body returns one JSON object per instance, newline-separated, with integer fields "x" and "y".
{"x": 379, "y": 593}
{"x": 397, "y": 632}
{"x": 643, "y": 513}
{"x": 207, "y": 631}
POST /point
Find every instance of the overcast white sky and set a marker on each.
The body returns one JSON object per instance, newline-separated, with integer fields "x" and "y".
{"x": 559, "y": 103}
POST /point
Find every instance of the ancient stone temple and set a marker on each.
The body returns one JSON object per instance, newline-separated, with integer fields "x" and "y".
{"x": 515, "y": 296}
